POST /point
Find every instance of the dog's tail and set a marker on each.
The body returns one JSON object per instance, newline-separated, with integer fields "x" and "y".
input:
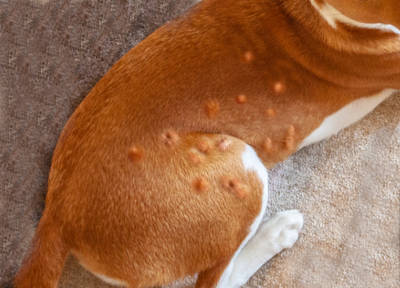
{"x": 43, "y": 266}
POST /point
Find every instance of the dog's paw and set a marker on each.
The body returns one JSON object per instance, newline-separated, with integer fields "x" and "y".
{"x": 283, "y": 229}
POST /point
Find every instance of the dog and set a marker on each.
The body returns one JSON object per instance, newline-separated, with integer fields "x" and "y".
{"x": 161, "y": 172}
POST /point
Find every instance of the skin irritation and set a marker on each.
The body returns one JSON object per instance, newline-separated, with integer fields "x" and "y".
{"x": 279, "y": 87}
{"x": 234, "y": 186}
{"x": 224, "y": 144}
{"x": 241, "y": 99}
{"x": 290, "y": 138}
{"x": 136, "y": 154}
{"x": 201, "y": 185}
{"x": 270, "y": 113}
{"x": 182, "y": 104}
{"x": 267, "y": 145}
{"x": 204, "y": 146}
{"x": 170, "y": 137}
{"x": 195, "y": 157}
{"x": 248, "y": 56}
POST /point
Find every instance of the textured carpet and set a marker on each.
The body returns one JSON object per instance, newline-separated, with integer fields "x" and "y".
{"x": 53, "y": 52}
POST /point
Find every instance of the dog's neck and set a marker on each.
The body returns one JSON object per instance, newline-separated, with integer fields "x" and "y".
{"x": 342, "y": 32}
{"x": 339, "y": 49}
{"x": 333, "y": 16}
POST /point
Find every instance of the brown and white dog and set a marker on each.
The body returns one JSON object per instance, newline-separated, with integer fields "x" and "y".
{"x": 157, "y": 174}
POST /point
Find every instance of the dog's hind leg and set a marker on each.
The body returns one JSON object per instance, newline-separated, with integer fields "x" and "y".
{"x": 278, "y": 233}
{"x": 264, "y": 240}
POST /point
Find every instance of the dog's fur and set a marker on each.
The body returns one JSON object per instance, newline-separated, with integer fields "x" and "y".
{"x": 153, "y": 177}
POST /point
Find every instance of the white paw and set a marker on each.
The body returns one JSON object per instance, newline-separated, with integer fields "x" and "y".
{"x": 283, "y": 229}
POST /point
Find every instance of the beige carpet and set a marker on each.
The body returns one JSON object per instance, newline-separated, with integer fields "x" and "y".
{"x": 348, "y": 187}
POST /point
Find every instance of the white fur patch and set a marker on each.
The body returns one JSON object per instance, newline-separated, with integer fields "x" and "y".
{"x": 332, "y": 16}
{"x": 251, "y": 162}
{"x": 108, "y": 280}
{"x": 346, "y": 116}
{"x": 111, "y": 281}
{"x": 278, "y": 233}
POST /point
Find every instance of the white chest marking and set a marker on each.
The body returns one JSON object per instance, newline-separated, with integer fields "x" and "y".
{"x": 251, "y": 162}
{"x": 332, "y": 16}
{"x": 346, "y": 116}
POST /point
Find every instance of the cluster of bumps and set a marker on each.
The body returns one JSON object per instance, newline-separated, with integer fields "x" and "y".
{"x": 212, "y": 108}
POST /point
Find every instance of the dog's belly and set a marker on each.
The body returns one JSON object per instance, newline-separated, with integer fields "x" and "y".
{"x": 346, "y": 116}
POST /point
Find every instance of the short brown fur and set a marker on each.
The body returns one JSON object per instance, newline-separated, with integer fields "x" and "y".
{"x": 121, "y": 195}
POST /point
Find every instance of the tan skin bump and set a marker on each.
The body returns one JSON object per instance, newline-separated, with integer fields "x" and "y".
{"x": 201, "y": 185}
{"x": 224, "y": 144}
{"x": 195, "y": 157}
{"x": 204, "y": 146}
{"x": 234, "y": 186}
{"x": 241, "y": 99}
{"x": 290, "y": 138}
{"x": 270, "y": 113}
{"x": 135, "y": 153}
{"x": 170, "y": 137}
{"x": 279, "y": 87}
{"x": 248, "y": 57}
{"x": 267, "y": 145}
